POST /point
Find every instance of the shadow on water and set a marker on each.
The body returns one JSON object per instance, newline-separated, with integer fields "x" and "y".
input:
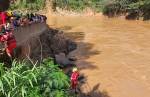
{"x": 83, "y": 52}
{"x": 76, "y": 36}
{"x": 91, "y": 92}
{"x": 95, "y": 92}
{"x": 65, "y": 28}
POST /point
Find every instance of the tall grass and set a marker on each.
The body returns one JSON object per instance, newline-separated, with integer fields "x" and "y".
{"x": 79, "y": 5}
{"x": 139, "y": 8}
{"x": 72, "y": 5}
{"x": 26, "y": 80}
{"x": 27, "y": 5}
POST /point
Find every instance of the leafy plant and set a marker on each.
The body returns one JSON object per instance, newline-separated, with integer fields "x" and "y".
{"x": 27, "y": 5}
{"x": 138, "y": 7}
{"x": 26, "y": 80}
{"x": 79, "y": 5}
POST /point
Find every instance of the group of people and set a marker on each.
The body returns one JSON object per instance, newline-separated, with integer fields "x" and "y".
{"x": 10, "y": 21}
{"x": 17, "y": 19}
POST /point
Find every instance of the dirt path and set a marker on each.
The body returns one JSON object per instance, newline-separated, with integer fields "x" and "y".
{"x": 114, "y": 54}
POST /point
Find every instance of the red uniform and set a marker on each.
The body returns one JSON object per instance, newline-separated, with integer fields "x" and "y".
{"x": 3, "y": 18}
{"x": 74, "y": 79}
{"x": 10, "y": 42}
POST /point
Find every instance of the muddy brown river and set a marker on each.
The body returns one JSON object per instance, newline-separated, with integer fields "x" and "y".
{"x": 113, "y": 54}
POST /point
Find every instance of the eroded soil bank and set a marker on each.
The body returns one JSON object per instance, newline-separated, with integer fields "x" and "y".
{"x": 38, "y": 41}
{"x": 112, "y": 53}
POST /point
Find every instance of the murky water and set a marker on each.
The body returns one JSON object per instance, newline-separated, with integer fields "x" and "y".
{"x": 114, "y": 54}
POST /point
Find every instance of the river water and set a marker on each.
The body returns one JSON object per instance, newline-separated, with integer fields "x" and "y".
{"x": 113, "y": 53}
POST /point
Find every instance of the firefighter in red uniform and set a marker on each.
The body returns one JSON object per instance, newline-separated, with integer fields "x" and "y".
{"x": 10, "y": 43}
{"x": 74, "y": 79}
{"x": 3, "y": 17}
{"x": 2, "y": 24}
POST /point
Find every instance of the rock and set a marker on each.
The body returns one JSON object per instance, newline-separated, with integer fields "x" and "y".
{"x": 72, "y": 58}
{"x": 63, "y": 60}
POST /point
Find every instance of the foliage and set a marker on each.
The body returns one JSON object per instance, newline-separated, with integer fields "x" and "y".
{"x": 26, "y": 80}
{"x": 79, "y": 5}
{"x": 71, "y": 5}
{"x": 109, "y": 7}
{"x": 140, "y": 7}
{"x": 137, "y": 8}
{"x": 27, "y": 4}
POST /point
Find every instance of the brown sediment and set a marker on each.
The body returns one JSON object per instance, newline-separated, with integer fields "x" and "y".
{"x": 112, "y": 53}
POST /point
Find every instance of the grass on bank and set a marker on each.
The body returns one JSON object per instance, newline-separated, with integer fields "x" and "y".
{"x": 71, "y": 5}
{"x": 80, "y": 5}
{"x": 27, "y": 80}
{"x": 27, "y": 5}
{"x": 135, "y": 8}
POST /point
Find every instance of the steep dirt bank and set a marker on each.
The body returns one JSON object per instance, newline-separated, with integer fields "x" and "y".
{"x": 38, "y": 41}
{"x": 113, "y": 54}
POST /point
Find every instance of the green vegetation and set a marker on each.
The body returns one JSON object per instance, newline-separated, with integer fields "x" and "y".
{"x": 26, "y": 80}
{"x": 79, "y": 5}
{"x": 27, "y": 4}
{"x": 134, "y": 8}
{"x": 71, "y": 5}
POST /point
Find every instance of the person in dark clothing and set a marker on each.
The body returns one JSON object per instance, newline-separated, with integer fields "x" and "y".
{"x": 15, "y": 23}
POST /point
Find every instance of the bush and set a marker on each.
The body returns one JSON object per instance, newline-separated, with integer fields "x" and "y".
{"x": 27, "y": 5}
{"x": 25, "y": 80}
{"x": 79, "y": 5}
{"x": 136, "y": 8}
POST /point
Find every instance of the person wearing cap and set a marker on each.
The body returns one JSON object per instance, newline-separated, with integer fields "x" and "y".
{"x": 74, "y": 78}
{"x": 9, "y": 13}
